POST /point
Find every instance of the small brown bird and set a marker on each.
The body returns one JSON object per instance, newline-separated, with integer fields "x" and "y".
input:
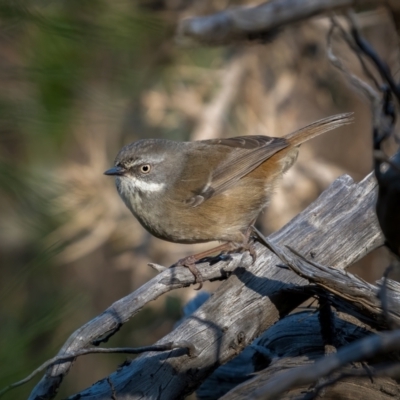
{"x": 193, "y": 192}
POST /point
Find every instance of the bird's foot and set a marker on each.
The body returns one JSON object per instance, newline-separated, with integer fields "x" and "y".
{"x": 190, "y": 263}
{"x": 230, "y": 247}
{"x": 242, "y": 247}
{"x": 247, "y": 244}
{"x": 251, "y": 249}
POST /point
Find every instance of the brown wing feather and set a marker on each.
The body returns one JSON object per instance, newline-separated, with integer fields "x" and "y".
{"x": 247, "y": 153}
{"x": 242, "y": 142}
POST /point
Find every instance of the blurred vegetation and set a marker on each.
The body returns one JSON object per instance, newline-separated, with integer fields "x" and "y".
{"x": 79, "y": 79}
{"x": 55, "y": 59}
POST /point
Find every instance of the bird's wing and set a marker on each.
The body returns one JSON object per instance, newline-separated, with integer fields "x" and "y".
{"x": 239, "y": 156}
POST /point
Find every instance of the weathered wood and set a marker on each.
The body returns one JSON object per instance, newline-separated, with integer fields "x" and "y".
{"x": 358, "y": 294}
{"x": 337, "y": 229}
{"x": 348, "y": 388}
{"x": 109, "y": 322}
{"x": 366, "y": 348}
{"x": 245, "y": 23}
{"x": 296, "y": 341}
{"x": 299, "y": 337}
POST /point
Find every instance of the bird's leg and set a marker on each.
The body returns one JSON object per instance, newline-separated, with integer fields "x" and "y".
{"x": 190, "y": 261}
{"x": 246, "y": 244}
{"x": 249, "y": 243}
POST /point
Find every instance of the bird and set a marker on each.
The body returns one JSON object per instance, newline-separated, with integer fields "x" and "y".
{"x": 208, "y": 190}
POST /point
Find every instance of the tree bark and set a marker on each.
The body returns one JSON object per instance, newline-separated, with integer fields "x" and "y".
{"x": 336, "y": 230}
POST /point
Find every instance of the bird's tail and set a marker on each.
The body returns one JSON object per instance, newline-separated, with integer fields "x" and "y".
{"x": 319, "y": 127}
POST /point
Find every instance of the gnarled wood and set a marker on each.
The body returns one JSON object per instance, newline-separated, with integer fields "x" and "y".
{"x": 358, "y": 294}
{"x": 337, "y": 229}
{"x": 246, "y": 23}
{"x": 296, "y": 341}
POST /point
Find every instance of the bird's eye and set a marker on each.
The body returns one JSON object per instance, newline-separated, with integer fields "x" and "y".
{"x": 145, "y": 168}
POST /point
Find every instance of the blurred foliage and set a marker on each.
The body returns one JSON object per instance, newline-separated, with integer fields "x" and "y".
{"x": 60, "y": 49}
{"x": 55, "y": 57}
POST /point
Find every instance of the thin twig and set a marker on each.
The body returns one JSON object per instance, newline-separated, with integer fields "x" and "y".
{"x": 368, "y": 50}
{"x": 245, "y": 23}
{"x": 110, "y": 321}
{"x": 392, "y": 370}
{"x": 358, "y": 83}
{"x": 350, "y": 42}
{"x": 363, "y": 349}
{"x": 83, "y": 352}
{"x": 157, "y": 267}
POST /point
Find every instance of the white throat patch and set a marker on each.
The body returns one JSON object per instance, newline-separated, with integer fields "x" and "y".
{"x": 130, "y": 184}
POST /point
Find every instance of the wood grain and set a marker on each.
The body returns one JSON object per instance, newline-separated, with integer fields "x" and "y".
{"x": 337, "y": 229}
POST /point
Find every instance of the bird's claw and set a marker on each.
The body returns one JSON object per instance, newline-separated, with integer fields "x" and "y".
{"x": 190, "y": 263}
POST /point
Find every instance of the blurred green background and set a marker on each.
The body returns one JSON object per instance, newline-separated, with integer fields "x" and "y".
{"x": 81, "y": 78}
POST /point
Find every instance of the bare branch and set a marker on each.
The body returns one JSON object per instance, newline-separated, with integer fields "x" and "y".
{"x": 358, "y": 83}
{"x": 350, "y": 42}
{"x": 355, "y": 291}
{"x": 83, "y": 352}
{"x": 109, "y": 322}
{"x": 363, "y": 349}
{"x": 244, "y": 23}
{"x": 254, "y": 297}
{"x": 157, "y": 267}
{"x": 368, "y": 50}
{"x": 372, "y": 372}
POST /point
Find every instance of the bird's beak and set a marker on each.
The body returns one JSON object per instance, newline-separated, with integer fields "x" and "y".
{"x": 117, "y": 171}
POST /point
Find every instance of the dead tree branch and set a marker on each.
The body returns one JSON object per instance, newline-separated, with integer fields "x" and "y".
{"x": 101, "y": 328}
{"x": 298, "y": 340}
{"x": 363, "y": 349}
{"x": 358, "y": 293}
{"x": 83, "y": 352}
{"x": 251, "y": 300}
{"x": 249, "y": 23}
